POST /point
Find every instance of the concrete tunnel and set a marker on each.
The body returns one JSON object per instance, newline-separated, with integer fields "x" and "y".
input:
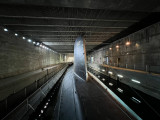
{"x": 80, "y": 60}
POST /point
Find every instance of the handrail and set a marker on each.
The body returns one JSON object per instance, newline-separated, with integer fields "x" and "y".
{"x": 132, "y": 70}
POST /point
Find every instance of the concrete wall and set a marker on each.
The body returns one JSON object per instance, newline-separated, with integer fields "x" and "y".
{"x": 19, "y": 56}
{"x": 16, "y": 83}
{"x": 143, "y": 53}
{"x": 69, "y": 57}
{"x": 139, "y": 60}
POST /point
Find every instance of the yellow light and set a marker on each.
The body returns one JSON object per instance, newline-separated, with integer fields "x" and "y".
{"x": 117, "y": 46}
{"x": 110, "y": 48}
{"x": 128, "y": 43}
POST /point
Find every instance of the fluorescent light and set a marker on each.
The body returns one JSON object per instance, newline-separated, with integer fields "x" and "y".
{"x": 5, "y": 29}
{"x": 41, "y": 111}
{"x": 34, "y": 42}
{"x": 117, "y": 46}
{"x": 29, "y": 40}
{"x": 37, "y": 43}
{"x": 128, "y": 43}
{"x": 111, "y": 84}
{"x": 136, "y": 100}
{"x": 121, "y": 76}
{"x": 103, "y": 70}
{"x": 103, "y": 79}
{"x": 136, "y": 81}
{"x": 16, "y": 34}
{"x": 110, "y": 72}
{"x": 23, "y": 38}
{"x": 120, "y": 90}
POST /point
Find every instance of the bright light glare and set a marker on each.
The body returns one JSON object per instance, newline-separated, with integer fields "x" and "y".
{"x": 121, "y": 76}
{"x": 110, "y": 72}
{"x": 103, "y": 70}
{"x": 128, "y": 43}
{"x": 120, "y": 90}
{"x": 23, "y": 38}
{"x": 117, "y": 46}
{"x": 45, "y": 106}
{"x": 41, "y": 111}
{"x": 111, "y": 84}
{"x": 136, "y": 81}
{"x": 5, "y": 29}
{"x": 38, "y": 43}
{"x": 16, "y": 34}
{"x": 29, "y": 40}
{"x": 136, "y": 100}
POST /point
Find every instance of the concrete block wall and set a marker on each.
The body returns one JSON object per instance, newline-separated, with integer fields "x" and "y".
{"x": 143, "y": 53}
{"x": 18, "y": 56}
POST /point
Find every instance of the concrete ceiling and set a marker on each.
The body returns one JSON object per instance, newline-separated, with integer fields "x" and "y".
{"x": 58, "y": 23}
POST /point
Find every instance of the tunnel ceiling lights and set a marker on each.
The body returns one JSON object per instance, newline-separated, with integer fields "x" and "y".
{"x": 117, "y": 46}
{"x": 16, "y": 34}
{"x": 110, "y": 72}
{"x": 111, "y": 84}
{"x": 136, "y": 81}
{"x": 38, "y": 43}
{"x": 121, "y": 76}
{"x": 120, "y": 90}
{"x": 128, "y": 43}
{"x": 5, "y": 29}
{"x": 29, "y": 40}
{"x": 135, "y": 100}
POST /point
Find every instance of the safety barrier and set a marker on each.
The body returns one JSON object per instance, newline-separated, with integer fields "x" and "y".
{"x": 30, "y": 95}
